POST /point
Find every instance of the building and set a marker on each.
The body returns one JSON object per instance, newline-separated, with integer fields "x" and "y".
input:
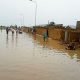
{"x": 78, "y": 25}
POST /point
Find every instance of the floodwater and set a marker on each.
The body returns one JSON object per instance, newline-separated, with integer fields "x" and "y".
{"x": 23, "y": 58}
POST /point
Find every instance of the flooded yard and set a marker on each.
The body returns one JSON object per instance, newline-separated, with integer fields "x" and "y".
{"x": 23, "y": 58}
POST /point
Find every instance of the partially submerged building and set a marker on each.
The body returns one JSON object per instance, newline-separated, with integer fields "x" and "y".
{"x": 58, "y": 32}
{"x": 78, "y": 25}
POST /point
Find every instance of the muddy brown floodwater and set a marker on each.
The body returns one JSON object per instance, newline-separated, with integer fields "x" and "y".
{"x": 23, "y": 58}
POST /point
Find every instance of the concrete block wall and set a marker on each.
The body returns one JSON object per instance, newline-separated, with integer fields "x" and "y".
{"x": 57, "y": 33}
{"x": 74, "y": 36}
{"x": 40, "y": 30}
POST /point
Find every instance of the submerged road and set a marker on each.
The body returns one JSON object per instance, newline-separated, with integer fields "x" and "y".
{"x": 23, "y": 58}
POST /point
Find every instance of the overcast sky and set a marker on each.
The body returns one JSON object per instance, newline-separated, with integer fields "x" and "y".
{"x": 22, "y": 12}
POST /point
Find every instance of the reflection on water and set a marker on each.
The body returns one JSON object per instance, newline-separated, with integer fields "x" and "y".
{"x": 16, "y": 38}
{"x": 12, "y": 39}
{"x": 74, "y": 54}
{"x": 53, "y": 44}
{"x": 25, "y": 58}
{"x": 1, "y": 30}
{"x": 6, "y": 40}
